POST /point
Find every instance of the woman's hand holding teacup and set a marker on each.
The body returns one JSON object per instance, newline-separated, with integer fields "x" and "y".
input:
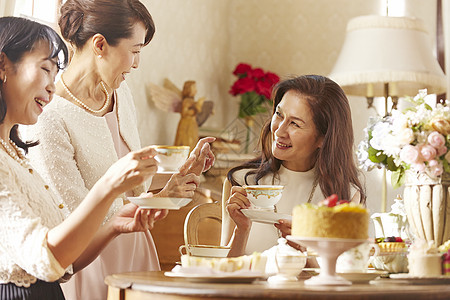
{"x": 131, "y": 170}
{"x": 182, "y": 184}
{"x": 237, "y": 201}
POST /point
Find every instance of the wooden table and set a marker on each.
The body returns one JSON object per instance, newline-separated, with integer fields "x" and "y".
{"x": 154, "y": 285}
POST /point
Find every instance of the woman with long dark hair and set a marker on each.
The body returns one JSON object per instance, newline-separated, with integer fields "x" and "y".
{"x": 307, "y": 146}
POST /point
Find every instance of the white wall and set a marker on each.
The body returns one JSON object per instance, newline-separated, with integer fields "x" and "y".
{"x": 204, "y": 40}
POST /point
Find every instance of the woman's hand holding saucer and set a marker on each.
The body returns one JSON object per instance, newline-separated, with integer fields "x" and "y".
{"x": 132, "y": 218}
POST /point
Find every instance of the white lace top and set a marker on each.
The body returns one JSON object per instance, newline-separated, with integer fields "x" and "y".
{"x": 27, "y": 211}
{"x": 76, "y": 148}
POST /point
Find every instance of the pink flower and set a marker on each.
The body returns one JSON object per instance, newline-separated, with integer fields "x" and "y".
{"x": 436, "y": 168}
{"x": 420, "y": 167}
{"x": 436, "y": 139}
{"x": 410, "y": 154}
{"x": 441, "y": 151}
{"x": 428, "y": 152}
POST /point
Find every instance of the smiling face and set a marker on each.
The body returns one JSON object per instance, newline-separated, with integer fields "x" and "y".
{"x": 29, "y": 85}
{"x": 295, "y": 137}
{"x": 122, "y": 57}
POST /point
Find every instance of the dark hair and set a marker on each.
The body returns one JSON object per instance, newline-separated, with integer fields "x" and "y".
{"x": 114, "y": 19}
{"x": 18, "y": 36}
{"x": 335, "y": 165}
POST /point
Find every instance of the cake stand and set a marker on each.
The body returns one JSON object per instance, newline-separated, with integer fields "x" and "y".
{"x": 328, "y": 249}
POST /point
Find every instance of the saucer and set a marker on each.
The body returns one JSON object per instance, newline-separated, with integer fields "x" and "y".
{"x": 264, "y": 216}
{"x": 160, "y": 202}
{"x": 354, "y": 277}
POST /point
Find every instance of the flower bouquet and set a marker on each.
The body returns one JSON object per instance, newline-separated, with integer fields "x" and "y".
{"x": 255, "y": 88}
{"x": 417, "y": 139}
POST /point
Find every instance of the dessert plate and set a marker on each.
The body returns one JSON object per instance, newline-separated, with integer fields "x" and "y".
{"x": 200, "y": 274}
{"x": 420, "y": 280}
{"x": 263, "y": 216}
{"x": 354, "y": 277}
{"x": 160, "y": 202}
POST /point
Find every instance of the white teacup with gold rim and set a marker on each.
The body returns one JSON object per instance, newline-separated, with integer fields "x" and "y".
{"x": 170, "y": 158}
{"x": 263, "y": 196}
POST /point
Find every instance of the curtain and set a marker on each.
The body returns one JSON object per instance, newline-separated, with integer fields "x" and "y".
{"x": 7, "y": 7}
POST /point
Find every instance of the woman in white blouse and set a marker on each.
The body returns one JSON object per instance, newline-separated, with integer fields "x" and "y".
{"x": 37, "y": 246}
{"x": 92, "y": 122}
{"x": 307, "y": 146}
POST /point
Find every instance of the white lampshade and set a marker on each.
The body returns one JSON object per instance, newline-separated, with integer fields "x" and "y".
{"x": 394, "y": 50}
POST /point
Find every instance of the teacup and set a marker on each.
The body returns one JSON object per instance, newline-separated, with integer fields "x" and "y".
{"x": 356, "y": 259}
{"x": 263, "y": 196}
{"x": 204, "y": 250}
{"x": 170, "y": 158}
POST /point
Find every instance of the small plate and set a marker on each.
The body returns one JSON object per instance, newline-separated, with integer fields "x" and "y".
{"x": 354, "y": 277}
{"x": 205, "y": 275}
{"x": 160, "y": 202}
{"x": 166, "y": 172}
{"x": 263, "y": 216}
{"x": 420, "y": 280}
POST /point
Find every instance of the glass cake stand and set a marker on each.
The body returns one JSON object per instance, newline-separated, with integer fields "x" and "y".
{"x": 329, "y": 250}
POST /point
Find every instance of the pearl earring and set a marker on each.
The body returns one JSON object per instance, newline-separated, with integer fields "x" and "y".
{"x": 99, "y": 56}
{"x": 4, "y": 79}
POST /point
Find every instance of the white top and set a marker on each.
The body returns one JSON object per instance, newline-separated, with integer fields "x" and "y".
{"x": 297, "y": 188}
{"x": 76, "y": 148}
{"x": 28, "y": 210}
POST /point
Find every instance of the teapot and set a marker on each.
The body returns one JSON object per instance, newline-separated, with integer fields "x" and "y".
{"x": 393, "y": 223}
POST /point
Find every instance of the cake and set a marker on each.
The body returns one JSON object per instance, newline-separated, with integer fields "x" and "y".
{"x": 391, "y": 244}
{"x": 331, "y": 219}
{"x": 392, "y": 255}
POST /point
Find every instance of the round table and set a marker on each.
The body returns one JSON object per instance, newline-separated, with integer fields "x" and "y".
{"x": 155, "y": 285}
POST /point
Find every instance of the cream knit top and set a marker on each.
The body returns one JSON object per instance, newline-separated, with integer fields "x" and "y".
{"x": 76, "y": 148}
{"x": 28, "y": 210}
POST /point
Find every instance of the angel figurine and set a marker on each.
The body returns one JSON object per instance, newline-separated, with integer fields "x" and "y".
{"x": 193, "y": 112}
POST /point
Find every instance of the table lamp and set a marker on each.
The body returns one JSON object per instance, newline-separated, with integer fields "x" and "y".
{"x": 386, "y": 57}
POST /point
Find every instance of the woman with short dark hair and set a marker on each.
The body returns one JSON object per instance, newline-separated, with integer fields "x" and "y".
{"x": 37, "y": 246}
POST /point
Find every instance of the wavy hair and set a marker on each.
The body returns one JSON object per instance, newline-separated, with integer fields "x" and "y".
{"x": 335, "y": 165}
{"x": 18, "y": 36}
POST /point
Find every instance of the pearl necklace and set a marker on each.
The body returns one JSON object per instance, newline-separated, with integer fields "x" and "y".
{"x": 82, "y": 104}
{"x": 16, "y": 153}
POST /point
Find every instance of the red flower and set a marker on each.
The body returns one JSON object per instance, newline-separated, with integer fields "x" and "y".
{"x": 272, "y": 78}
{"x": 242, "y": 69}
{"x": 264, "y": 88}
{"x": 242, "y": 85}
{"x": 253, "y": 80}
{"x": 257, "y": 73}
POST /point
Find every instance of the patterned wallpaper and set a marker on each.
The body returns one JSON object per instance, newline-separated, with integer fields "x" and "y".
{"x": 204, "y": 40}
